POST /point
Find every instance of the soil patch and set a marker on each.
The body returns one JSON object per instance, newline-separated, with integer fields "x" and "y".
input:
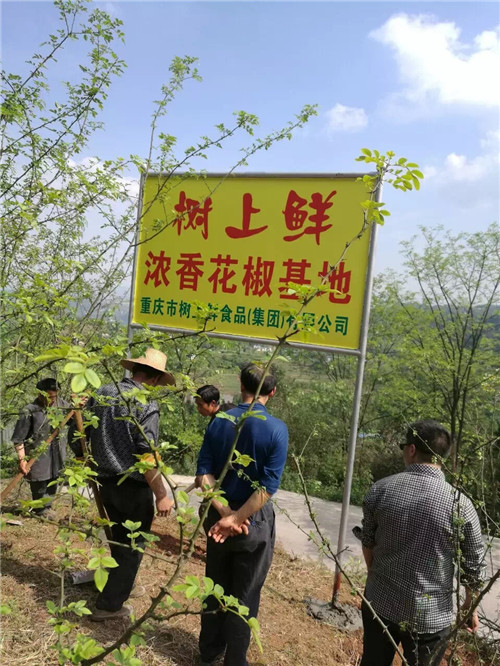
{"x": 290, "y": 635}
{"x": 342, "y": 616}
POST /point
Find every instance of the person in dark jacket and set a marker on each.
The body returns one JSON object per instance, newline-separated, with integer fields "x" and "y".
{"x": 31, "y": 430}
{"x": 116, "y": 444}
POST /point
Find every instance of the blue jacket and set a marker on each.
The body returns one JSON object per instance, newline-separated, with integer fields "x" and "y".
{"x": 264, "y": 440}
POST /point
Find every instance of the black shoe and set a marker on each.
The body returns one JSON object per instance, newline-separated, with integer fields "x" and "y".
{"x": 100, "y": 615}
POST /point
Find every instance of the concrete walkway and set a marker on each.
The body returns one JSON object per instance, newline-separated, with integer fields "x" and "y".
{"x": 294, "y": 541}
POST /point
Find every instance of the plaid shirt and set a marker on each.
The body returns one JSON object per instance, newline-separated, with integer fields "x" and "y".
{"x": 116, "y": 441}
{"x": 415, "y": 522}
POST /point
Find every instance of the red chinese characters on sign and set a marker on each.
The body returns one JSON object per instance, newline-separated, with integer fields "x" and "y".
{"x": 339, "y": 280}
{"x": 295, "y": 272}
{"x": 257, "y": 278}
{"x": 161, "y": 265}
{"x": 245, "y": 231}
{"x": 190, "y": 270}
{"x": 296, "y": 216}
{"x": 223, "y": 274}
{"x": 196, "y": 213}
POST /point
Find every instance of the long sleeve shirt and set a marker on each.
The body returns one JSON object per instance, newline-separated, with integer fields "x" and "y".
{"x": 117, "y": 441}
{"x": 265, "y": 440}
{"x": 32, "y": 429}
{"x": 420, "y": 528}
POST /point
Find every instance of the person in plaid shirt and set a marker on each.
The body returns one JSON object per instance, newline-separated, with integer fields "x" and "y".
{"x": 416, "y": 529}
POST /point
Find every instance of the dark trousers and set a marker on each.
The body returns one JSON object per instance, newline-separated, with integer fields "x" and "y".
{"x": 40, "y": 489}
{"x": 128, "y": 501}
{"x": 240, "y": 566}
{"x": 418, "y": 649}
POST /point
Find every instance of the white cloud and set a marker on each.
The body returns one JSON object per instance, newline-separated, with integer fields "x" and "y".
{"x": 470, "y": 181}
{"x": 460, "y": 168}
{"x": 435, "y": 66}
{"x": 346, "y": 119}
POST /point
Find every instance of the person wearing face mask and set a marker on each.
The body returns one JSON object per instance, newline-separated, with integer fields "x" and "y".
{"x": 115, "y": 446}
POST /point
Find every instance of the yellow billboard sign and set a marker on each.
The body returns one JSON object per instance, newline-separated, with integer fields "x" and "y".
{"x": 237, "y": 242}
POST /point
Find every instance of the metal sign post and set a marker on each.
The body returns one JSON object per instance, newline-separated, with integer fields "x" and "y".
{"x": 134, "y": 266}
{"x": 358, "y": 392}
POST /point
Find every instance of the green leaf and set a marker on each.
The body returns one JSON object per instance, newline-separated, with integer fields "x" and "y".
{"x": 209, "y": 584}
{"x": 74, "y": 368}
{"x": 183, "y": 497}
{"x": 181, "y": 587}
{"x": 51, "y": 607}
{"x": 255, "y": 629}
{"x": 78, "y": 383}
{"x": 256, "y": 415}
{"x": 136, "y": 639}
{"x": 49, "y": 356}
{"x": 191, "y": 591}
{"x": 243, "y": 460}
{"x": 100, "y": 578}
{"x": 92, "y": 377}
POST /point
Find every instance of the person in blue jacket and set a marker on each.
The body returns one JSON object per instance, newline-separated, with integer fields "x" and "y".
{"x": 241, "y": 535}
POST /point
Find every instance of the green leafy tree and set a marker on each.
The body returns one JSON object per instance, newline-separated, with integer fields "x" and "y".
{"x": 57, "y": 282}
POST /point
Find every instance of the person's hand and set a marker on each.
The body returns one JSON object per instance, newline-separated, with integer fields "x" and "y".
{"x": 23, "y": 466}
{"x": 79, "y": 401}
{"x": 164, "y": 506}
{"x": 198, "y": 481}
{"x": 228, "y": 526}
{"x": 472, "y": 623}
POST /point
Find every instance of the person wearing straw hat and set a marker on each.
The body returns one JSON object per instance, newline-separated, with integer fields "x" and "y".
{"x": 115, "y": 445}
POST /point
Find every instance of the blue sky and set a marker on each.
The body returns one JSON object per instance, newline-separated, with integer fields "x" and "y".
{"x": 418, "y": 78}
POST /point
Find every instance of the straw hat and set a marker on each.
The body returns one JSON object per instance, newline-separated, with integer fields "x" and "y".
{"x": 155, "y": 359}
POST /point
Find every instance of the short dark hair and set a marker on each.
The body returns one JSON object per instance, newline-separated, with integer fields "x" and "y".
{"x": 251, "y": 376}
{"x": 208, "y": 393}
{"x": 145, "y": 370}
{"x": 48, "y": 384}
{"x": 430, "y": 438}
